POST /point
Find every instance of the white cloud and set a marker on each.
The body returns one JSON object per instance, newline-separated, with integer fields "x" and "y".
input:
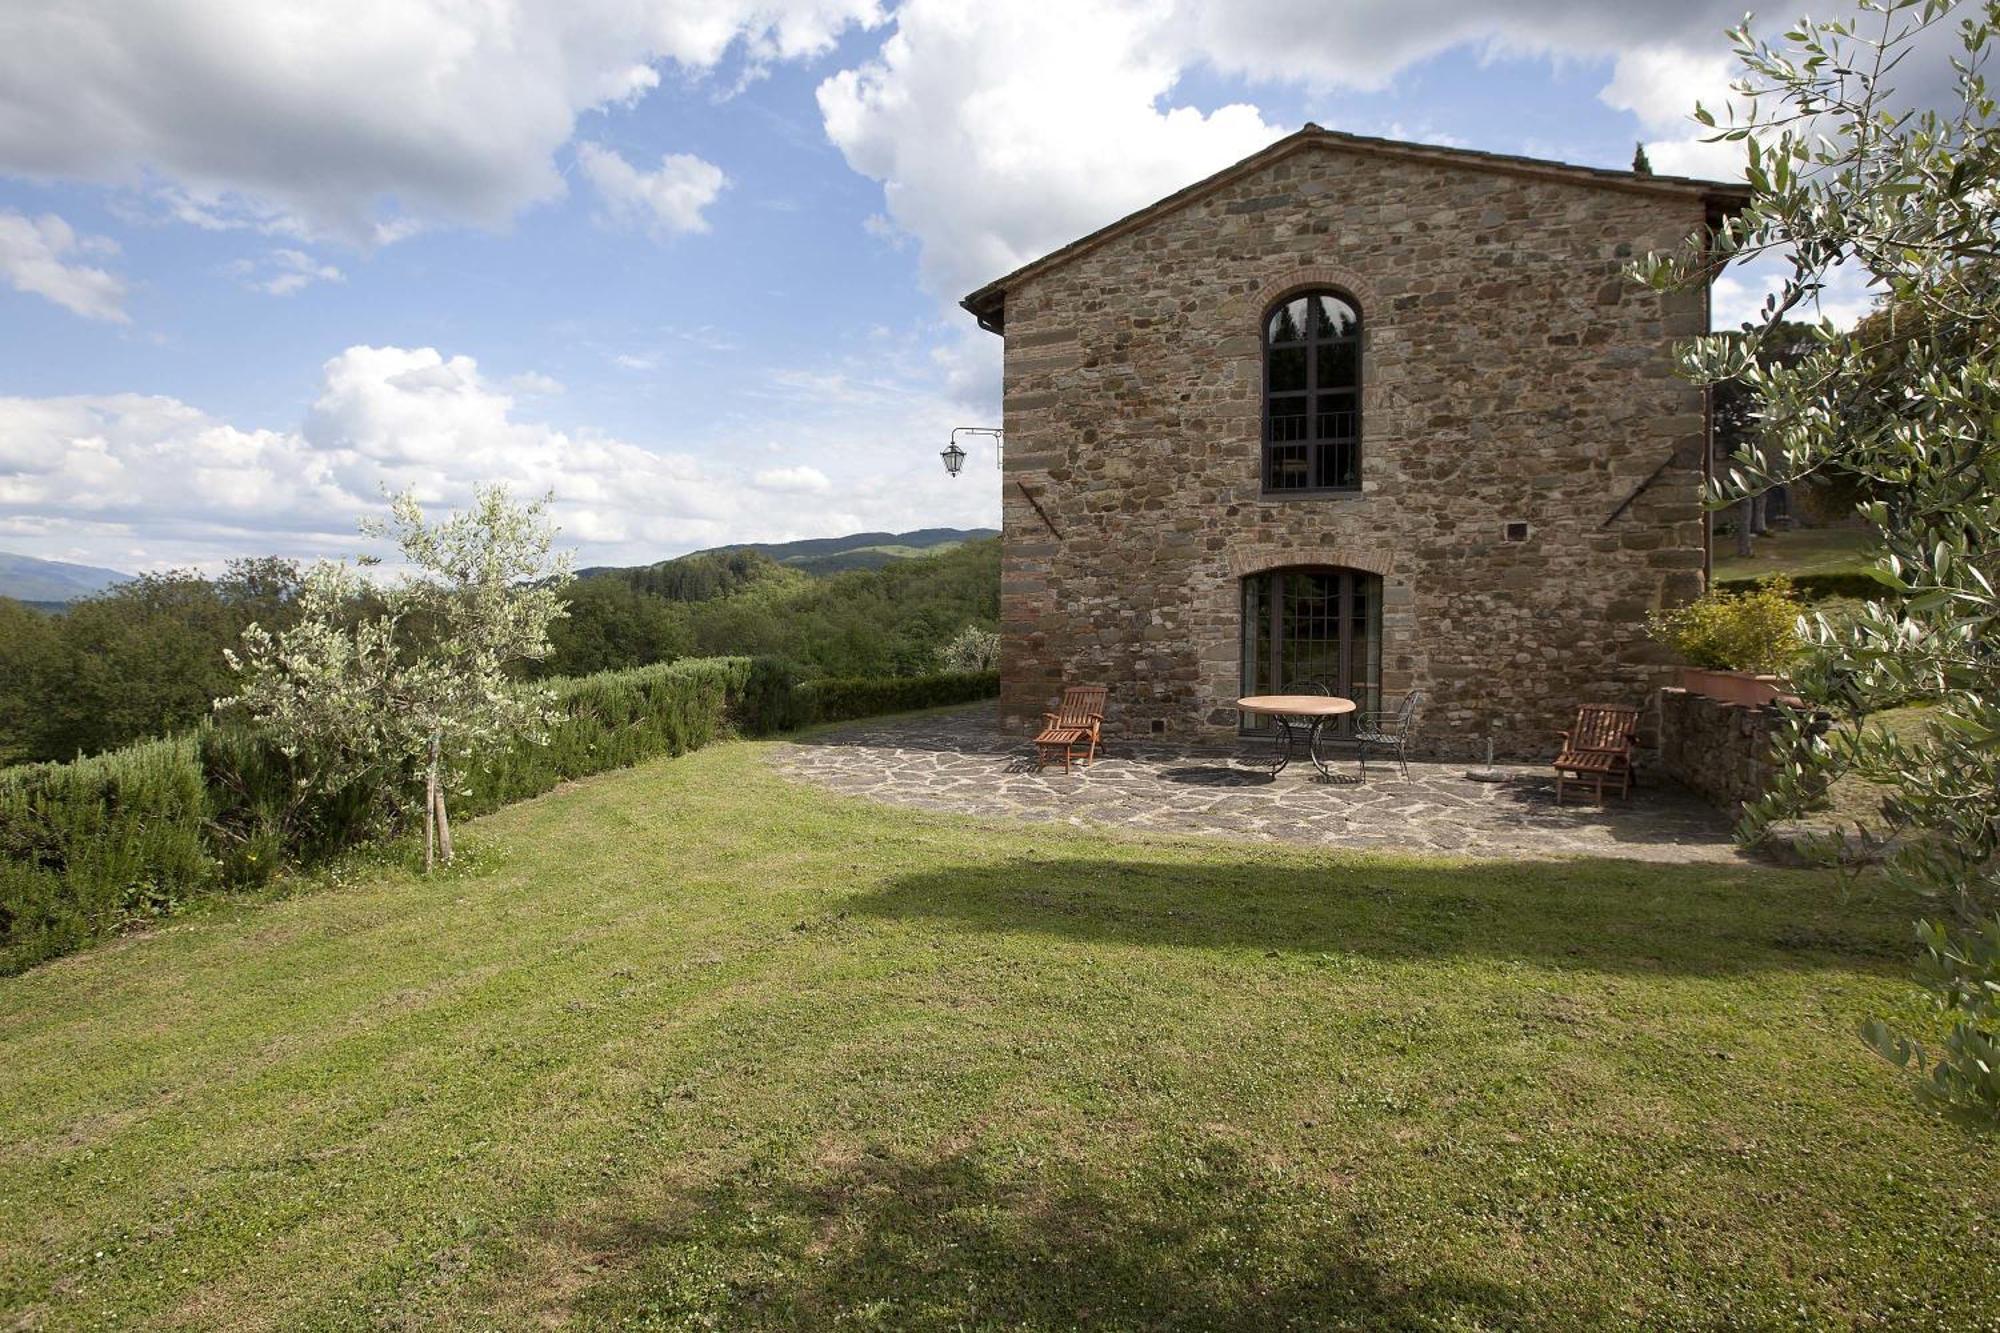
{"x": 1737, "y": 296}
{"x": 310, "y": 118}
{"x": 1660, "y": 87}
{"x": 793, "y": 480}
{"x": 282, "y": 272}
{"x": 665, "y": 201}
{"x": 534, "y": 384}
{"x": 150, "y": 481}
{"x": 37, "y": 255}
{"x": 633, "y": 361}
{"x": 1001, "y": 131}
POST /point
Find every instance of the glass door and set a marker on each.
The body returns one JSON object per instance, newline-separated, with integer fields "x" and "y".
{"x": 1312, "y": 630}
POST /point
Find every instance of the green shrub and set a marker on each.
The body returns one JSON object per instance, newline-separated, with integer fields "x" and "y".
{"x": 612, "y": 720}
{"x": 1724, "y": 631}
{"x": 264, "y": 814}
{"x": 86, "y": 844}
{"x": 769, "y": 700}
{"x": 837, "y": 700}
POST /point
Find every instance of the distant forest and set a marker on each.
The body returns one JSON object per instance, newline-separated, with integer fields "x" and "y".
{"x": 146, "y": 658}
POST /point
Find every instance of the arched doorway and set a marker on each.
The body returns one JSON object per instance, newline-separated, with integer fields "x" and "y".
{"x": 1312, "y": 624}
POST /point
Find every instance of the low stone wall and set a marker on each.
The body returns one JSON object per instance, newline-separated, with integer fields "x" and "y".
{"x": 1724, "y": 752}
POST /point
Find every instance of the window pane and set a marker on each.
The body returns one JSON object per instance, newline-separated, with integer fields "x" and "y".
{"x": 1336, "y": 417}
{"x": 1336, "y": 364}
{"x": 1288, "y": 325}
{"x": 1286, "y": 470}
{"x": 1288, "y": 418}
{"x": 1336, "y": 464}
{"x": 1288, "y": 369}
{"x": 1368, "y": 645}
{"x": 1257, "y": 657}
{"x": 1311, "y": 628}
{"x": 1333, "y": 317}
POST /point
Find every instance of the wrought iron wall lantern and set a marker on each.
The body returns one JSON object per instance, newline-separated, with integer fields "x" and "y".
{"x": 954, "y": 457}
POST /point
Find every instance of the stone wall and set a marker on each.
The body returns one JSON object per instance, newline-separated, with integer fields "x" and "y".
{"x": 1510, "y": 374}
{"x": 1724, "y": 752}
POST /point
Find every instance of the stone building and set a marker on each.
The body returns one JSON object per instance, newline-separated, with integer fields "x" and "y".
{"x": 1374, "y": 414}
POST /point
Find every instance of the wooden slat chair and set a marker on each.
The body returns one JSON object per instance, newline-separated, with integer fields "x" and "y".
{"x": 1077, "y": 724}
{"x": 1598, "y": 748}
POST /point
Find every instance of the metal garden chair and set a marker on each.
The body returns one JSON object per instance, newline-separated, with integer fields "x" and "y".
{"x": 1390, "y": 731}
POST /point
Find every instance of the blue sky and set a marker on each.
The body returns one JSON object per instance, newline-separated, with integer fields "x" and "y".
{"x": 716, "y": 303}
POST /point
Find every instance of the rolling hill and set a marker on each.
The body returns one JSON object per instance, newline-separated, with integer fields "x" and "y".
{"x": 27, "y": 579}
{"x": 831, "y": 555}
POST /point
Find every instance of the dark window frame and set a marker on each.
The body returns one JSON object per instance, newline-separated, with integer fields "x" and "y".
{"x": 1319, "y": 451}
{"x": 1357, "y": 659}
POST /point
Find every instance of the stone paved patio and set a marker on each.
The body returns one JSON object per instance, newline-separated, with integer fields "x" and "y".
{"x": 958, "y": 761}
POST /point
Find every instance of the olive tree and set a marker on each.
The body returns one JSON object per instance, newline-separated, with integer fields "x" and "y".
{"x": 1905, "y": 410}
{"x": 973, "y": 648}
{"x": 405, "y": 680}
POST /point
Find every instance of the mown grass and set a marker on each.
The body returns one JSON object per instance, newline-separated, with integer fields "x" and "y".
{"x": 1799, "y": 551}
{"x": 690, "y": 1047}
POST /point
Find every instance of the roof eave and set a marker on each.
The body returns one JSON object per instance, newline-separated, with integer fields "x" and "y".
{"x": 988, "y": 304}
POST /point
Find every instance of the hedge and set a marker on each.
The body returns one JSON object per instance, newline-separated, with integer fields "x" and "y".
{"x": 836, "y": 700}
{"x": 611, "y": 720}
{"x": 89, "y": 844}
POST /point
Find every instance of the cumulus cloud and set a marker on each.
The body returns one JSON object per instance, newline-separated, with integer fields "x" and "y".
{"x": 356, "y": 119}
{"x": 283, "y": 272}
{"x": 665, "y": 201}
{"x": 1001, "y": 131}
{"x": 39, "y": 255}
{"x": 1737, "y": 296}
{"x": 144, "y": 481}
{"x": 799, "y": 480}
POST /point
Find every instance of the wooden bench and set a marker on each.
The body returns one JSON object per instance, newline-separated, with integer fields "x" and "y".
{"x": 1598, "y": 749}
{"x": 1078, "y": 722}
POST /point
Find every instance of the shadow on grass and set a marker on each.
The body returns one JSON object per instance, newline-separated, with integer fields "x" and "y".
{"x": 1600, "y": 915}
{"x": 955, "y": 1241}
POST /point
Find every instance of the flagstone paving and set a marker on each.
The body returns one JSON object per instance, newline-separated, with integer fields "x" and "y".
{"x": 959, "y": 761}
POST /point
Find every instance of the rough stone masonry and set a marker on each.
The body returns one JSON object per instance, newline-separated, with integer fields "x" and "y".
{"x": 1511, "y": 374}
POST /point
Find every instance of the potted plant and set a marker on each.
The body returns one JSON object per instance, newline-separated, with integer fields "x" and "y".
{"x": 1737, "y": 646}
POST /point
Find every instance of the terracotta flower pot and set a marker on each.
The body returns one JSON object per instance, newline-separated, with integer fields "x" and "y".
{"x": 1733, "y": 687}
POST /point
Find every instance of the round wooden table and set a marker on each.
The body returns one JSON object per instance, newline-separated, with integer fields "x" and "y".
{"x": 1285, "y": 709}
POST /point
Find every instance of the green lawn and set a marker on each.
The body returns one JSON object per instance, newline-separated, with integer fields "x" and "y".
{"x": 1799, "y": 551}
{"x": 688, "y": 1047}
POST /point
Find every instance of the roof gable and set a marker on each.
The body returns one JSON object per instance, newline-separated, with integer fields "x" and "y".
{"x": 988, "y": 304}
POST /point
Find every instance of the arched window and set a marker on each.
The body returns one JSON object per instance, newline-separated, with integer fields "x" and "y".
{"x": 1313, "y": 626}
{"x": 1312, "y": 395}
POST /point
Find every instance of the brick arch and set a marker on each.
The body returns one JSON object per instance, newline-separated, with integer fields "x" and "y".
{"x": 1247, "y": 560}
{"x": 1252, "y": 308}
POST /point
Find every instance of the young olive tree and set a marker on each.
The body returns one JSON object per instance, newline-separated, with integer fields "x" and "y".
{"x": 407, "y": 680}
{"x": 1905, "y": 409}
{"x": 971, "y": 649}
